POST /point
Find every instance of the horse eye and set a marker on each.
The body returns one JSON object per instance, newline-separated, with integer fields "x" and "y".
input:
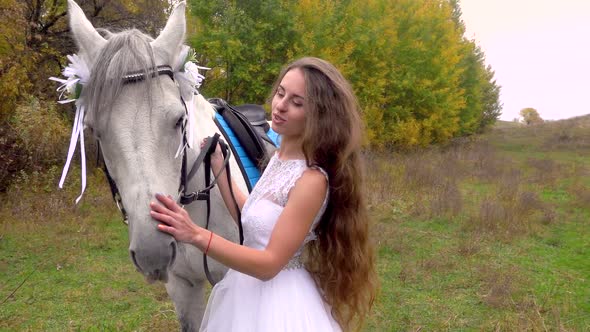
{"x": 93, "y": 132}
{"x": 180, "y": 121}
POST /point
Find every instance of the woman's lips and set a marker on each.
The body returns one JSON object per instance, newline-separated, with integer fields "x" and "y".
{"x": 277, "y": 119}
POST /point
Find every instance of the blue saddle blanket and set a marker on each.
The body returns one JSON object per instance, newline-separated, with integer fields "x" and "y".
{"x": 246, "y": 164}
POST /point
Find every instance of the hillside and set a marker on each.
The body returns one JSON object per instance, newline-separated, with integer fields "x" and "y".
{"x": 491, "y": 234}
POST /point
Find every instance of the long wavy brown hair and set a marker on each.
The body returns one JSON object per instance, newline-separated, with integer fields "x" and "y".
{"x": 341, "y": 259}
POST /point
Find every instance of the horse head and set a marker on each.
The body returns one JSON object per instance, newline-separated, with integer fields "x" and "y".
{"x": 137, "y": 116}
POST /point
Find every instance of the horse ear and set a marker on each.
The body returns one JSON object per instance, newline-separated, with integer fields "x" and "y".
{"x": 89, "y": 41}
{"x": 172, "y": 37}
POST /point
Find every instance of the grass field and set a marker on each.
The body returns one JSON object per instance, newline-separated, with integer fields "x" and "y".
{"x": 488, "y": 234}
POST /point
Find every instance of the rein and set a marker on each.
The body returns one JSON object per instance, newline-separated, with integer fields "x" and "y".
{"x": 204, "y": 158}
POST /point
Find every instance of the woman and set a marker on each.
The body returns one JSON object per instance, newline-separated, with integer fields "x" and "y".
{"x": 306, "y": 263}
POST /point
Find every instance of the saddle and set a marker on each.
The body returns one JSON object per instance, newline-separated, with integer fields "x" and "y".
{"x": 249, "y": 136}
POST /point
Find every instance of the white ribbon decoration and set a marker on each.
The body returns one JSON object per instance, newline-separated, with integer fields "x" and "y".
{"x": 188, "y": 79}
{"x": 77, "y": 73}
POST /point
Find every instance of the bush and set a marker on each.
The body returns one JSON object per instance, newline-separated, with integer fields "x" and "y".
{"x": 33, "y": 139}
{"x": 11, "y": 160}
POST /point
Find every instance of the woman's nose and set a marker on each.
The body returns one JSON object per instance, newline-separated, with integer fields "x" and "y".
{"x": 282, "y": 105}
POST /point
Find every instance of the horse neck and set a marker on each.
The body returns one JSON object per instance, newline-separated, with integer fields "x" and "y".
{"x": 204, "y": 126}
{"x": 203, "y": 120}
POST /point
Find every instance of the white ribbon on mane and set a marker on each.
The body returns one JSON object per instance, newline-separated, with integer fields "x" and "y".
{"x": 188, "y": 78}
{"x": 77, "y": 73}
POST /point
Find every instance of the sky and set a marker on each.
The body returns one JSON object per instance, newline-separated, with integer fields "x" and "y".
{"x": 539, "y": 50}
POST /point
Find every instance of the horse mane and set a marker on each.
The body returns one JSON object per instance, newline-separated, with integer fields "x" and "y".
{"x": 124, "y": 52}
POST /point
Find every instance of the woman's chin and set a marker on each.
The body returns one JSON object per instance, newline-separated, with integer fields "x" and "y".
{"x": 276, "y": 127}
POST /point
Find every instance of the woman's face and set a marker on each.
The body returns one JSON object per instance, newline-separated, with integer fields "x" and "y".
{"x": 288, "y": 111}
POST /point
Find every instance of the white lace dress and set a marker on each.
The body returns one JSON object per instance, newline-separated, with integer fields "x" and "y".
{"x": 290, "y": 301}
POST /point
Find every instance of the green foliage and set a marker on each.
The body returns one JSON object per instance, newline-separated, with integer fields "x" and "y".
{"x": 358, "y": 37}
{"x": 244, "y": 42}
{"x": 42, "y": 130}
{"x": 492, "y": 107}
{"x": 14, "y": 82}
{"x": 419, "y": 81}
{"x": 426, "y": 85}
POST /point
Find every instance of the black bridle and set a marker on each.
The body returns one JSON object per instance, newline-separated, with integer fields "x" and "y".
{"x": 204, "y": 158}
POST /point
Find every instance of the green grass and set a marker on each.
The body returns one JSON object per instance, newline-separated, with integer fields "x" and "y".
{"x": 75, "y": 274}
{"x": 450, "y": 274}
{"x": 493, "y": 235}
{"x": 435, "y": 283}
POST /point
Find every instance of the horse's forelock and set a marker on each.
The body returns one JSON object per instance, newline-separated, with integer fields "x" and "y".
{"x": 124, "y": 52}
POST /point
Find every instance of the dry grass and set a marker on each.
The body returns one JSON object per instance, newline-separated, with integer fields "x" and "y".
{"x": 35, "y": 197}
{"x": 427, "y": 185}
{"x": 571, "y": 134}
{"x": 498, "y": 285}
{"x": 581, "y": 192}
{"x": 452, "y": 217}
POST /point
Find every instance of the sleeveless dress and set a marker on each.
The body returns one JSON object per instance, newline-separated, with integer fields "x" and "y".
{"x": 289, "y": 302}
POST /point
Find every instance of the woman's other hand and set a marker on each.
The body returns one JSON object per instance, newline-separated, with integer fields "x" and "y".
{"x": 174, "y": 219}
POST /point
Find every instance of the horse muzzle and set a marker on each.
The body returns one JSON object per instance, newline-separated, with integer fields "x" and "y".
{"x": 154, "y": 261}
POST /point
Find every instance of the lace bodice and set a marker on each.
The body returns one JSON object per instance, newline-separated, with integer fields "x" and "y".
{"x": 268, "y": 199}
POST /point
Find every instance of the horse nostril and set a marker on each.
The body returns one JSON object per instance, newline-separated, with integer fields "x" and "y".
{"x": 173, "y": 245}
{"x": 135, "y": 260}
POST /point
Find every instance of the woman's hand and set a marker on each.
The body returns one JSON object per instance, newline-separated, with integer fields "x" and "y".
{"x": 174, "y": 220}
{"x": 216, "y": 157}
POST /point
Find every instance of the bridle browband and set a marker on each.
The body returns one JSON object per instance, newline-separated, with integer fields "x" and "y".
{"x": 204, "y": 158}
{"x": 139, "y": 75}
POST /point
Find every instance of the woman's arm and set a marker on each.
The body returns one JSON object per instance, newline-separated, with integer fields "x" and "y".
{"x": 223, "y": 184}
{"x": 305, "y": 201}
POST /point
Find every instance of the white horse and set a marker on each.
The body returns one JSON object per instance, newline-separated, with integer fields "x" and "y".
{"x": 139, "y": 127}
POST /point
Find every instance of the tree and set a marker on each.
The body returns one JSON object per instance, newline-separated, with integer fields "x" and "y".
{"x": 492, "y": 107}
{"x": 244, "y": 42}
{"x": 482, "y": 94}
{"x": 426, "y": 84}
{"x": 418, "y": 79}
{"x": 13, "y": 73}
{"x": 530, "y": 116}
{"x": 35, "y": 37}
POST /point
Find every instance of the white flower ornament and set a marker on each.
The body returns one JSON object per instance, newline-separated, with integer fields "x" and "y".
{"x": 77, "y": 74}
